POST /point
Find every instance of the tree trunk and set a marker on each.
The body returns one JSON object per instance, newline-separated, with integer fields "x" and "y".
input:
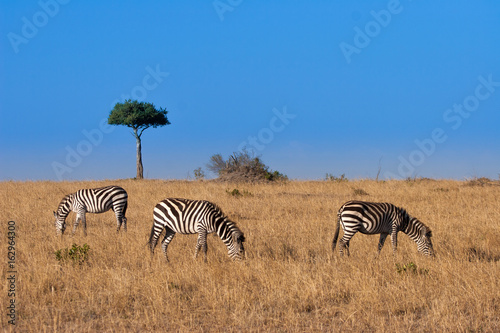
{"x": 140, "y": 170}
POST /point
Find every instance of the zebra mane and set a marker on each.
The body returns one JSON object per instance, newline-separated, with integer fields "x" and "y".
{"x": 418, "y": 227}
{"x": 231, "y": 228}
{"x": 60, "y": 209}
{"x": 218, "y": 210}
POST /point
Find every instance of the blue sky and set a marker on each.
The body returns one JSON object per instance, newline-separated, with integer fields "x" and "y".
{"x": 314, "y": 87}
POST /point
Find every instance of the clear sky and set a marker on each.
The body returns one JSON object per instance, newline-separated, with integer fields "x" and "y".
{"x": 314, "y": 87}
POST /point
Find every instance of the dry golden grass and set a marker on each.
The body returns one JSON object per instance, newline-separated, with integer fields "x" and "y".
{"x": 291, "y": 280}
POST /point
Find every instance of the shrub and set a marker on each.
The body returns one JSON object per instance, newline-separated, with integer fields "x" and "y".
{"x": 410, "y": 268}
{"x": 333, "y": 178}
{"x": 199, "y": 174}
{"x": 76, "y": 254}
{"x": 482, "y": 181}
{"x": 237, "y": 193}
{"x": 275, "y": 175}
{"x": 359, "y": 191}
{"x": 242, "y": 166}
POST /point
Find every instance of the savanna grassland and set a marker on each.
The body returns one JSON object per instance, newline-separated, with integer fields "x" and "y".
{"x": 291, "y": 281}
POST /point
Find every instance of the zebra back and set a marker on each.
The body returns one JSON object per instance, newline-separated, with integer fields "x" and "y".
{"x": 100, "y": 200}
{"x": 371, "y": 217}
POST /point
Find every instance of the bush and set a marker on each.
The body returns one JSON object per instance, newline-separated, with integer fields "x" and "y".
{"x": 333, "y": 178}
{"x": 76, "y": 254}
{"x": 241, "y": 166}
{"x": 482, "y": 181}
{"x": 359, "y": 191}
{"x": 237, "y": 193}
{"x": 410, "y": 268}
{"x": 199, "y": 174}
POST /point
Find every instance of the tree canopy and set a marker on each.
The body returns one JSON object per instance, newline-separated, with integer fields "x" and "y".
{"x": 138, "y": 116}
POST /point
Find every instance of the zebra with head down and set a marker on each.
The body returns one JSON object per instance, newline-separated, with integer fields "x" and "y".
{"x": 96, "y": 200}
{"x": 380, "y": 218}
{"x": 200, "y": 217}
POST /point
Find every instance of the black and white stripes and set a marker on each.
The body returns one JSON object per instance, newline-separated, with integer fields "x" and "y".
{"x": 97, "y": 200}
{"x": 186, "y": 216}
{"x": 380, "y": 218}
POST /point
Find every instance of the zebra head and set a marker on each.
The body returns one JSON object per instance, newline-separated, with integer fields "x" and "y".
{"x": 424, "y": 242}
{"x": 235, "y": 247}
{"x": 60, "y": 223}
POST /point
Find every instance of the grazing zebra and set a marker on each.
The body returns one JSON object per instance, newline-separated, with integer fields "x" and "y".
{"x": 186, "y": 216}
{"x": 97, "y": 200}
{"x": 380, "y": 218}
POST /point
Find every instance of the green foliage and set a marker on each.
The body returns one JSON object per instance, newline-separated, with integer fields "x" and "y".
{"x": 275, "y": 175}
{"x": 237, "y": 193}
{"x": 137, "y": 115}
{"x": 76, "y": 254}
{"x": 333, "y": 178}
{"x": 410, "y": 268}
{"x": 199, "y": 174}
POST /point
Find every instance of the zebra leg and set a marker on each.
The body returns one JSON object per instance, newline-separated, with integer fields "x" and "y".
{"x": 84, "y": 225}
{"x": 344, "y": 241}
{"x": 124, "y": 223}
{"x": 77, "y": 221}
{"x": 169, "y": 234}
{"x": 201, "y": 243}
{"x": 394, "y": 238}
{"x": 124, "y": 219}
{"x": 344, "y": 245}
{"x": 121, "y": 220}
{"x": 381, "y": 242}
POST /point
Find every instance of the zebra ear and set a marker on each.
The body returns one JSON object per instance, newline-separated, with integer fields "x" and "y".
{"x": 429, "y": 233}
{"x": 241, "y": 238}
{"x": 55, "y": 215}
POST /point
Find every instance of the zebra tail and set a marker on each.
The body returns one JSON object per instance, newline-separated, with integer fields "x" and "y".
{"x": 336, "y": 235}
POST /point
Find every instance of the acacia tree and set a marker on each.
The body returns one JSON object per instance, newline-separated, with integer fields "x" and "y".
{"x": 139, "y": 116}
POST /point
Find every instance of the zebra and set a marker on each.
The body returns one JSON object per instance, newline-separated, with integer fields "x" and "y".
{"x": 380, "y": 218}
{"x": 97, "y": 200}
{"x": 186, "y": 216}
